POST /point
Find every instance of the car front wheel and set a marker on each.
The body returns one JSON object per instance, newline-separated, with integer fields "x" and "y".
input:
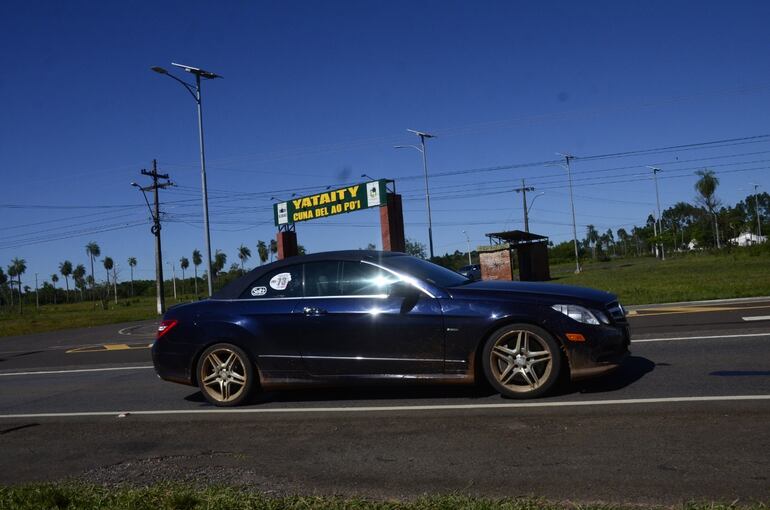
{"x": 225, "y": 375}
{"x": 521, "y": 361}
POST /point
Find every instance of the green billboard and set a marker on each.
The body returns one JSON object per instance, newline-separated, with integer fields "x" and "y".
{"x": 330, "y": 203}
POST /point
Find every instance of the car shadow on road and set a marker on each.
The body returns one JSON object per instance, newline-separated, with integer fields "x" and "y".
{"x": 632, "y": 369}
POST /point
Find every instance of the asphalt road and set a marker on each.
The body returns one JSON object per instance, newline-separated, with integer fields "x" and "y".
{"x": 685, "y": 418}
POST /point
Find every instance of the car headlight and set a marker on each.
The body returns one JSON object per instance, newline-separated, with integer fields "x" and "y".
{"x": 582, "y": 314}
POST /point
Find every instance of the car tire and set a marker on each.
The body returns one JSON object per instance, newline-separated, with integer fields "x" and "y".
{"x": 226, "y": 375}
{"x": 521, "y": 361}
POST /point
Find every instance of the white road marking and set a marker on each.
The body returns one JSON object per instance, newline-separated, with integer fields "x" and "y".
{"x": 757, "y": 318}
{"x": 74, "y": 371}
{"x": 669, "y": 339}
{"x": 367, "y": 409}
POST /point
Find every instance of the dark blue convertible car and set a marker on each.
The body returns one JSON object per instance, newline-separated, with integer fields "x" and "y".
{"x": 367, "y": 316}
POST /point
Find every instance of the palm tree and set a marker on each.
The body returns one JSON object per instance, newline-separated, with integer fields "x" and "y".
{"x": 65, "y": 268}
{"x": 54, "y": 279}
{"x": 184, "y": 264}
{"x": 19, "y": 267}
{"x": 93, "y": 251}
{"x": 220, "y": 259}
{"x": 3, "y": 279}
{"x": 273, "y": 248}
{"x": 243, "y": 253}
{"x": 262, "y": 252}
{"x": 592, "y": 237}
{"x": 706, "y": 186}
{"x": 108, "y": 263}
{"x": 77, "y": 274}
{"x": 197, "y": 260}
{"x": 132, "y": 265}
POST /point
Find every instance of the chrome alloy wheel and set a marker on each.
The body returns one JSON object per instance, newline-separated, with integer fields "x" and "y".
{"x": 521, "y": 361}
{"x": 223, "y": 375}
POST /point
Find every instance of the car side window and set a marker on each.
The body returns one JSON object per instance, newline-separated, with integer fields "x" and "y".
{"x": 360, "y": 279}
{"x": 285, "y": 282}
{"x": 322, "y": 278}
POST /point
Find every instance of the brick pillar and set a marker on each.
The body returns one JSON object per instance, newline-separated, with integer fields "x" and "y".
{"x": 287, "y": 244}
{"x": 392, "y": 224}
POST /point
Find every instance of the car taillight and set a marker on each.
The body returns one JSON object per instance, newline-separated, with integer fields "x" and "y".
{"x": 165, "y": 327}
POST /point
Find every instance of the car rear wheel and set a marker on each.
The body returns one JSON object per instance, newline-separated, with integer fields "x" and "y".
{"x": 521, "y": 361}
{"x": 225, "y": 375}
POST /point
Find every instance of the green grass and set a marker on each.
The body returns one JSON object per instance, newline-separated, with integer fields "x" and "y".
{"x": 171, "y": 497}
{"x": 77, "y": 315}
{"x": 636, "y": 280}
{"x": 692, "y": 277}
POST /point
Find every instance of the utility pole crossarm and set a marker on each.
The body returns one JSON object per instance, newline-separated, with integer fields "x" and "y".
{"x": 523, "y": 190}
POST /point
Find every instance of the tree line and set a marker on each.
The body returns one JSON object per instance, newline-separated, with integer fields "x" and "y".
{"x": 705, "y": 223}
{"x": 83, "y": 281}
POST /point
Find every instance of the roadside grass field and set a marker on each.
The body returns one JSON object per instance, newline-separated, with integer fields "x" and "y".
{"x": 736, "y": 273}
{"x": 691, "y": 277}
{"x": 78, "y": 315}
{"x": 173, "y": 497}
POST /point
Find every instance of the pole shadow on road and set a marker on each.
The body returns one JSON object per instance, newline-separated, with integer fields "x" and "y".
{"x": 633, "y": 369}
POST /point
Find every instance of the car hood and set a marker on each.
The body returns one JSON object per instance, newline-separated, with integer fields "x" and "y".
{"x": 548, "y": 290}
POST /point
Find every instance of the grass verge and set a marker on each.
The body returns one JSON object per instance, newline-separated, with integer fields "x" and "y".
{"x": 739, "y": 272}
{"x": 693, "y": 277}
{"x": 171, "y": 497}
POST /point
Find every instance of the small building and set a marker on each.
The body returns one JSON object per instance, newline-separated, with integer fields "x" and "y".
{"x": 747, "y": 239}
{"x": 515, "y": 255}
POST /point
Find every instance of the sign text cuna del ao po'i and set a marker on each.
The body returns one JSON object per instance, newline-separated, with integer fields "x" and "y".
{"x": 331, "y": 203}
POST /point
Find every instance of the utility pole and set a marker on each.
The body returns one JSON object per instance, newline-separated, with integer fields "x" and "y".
{"x": 567, "y": 166}
{"x": 523, "y": 190}
{"x": 37, "y": 299}
{"x": 756, "y": 208}
{"x": 156, "y": 227}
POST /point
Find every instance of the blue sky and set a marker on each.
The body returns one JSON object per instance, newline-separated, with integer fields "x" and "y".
{"x": 317, "y": 93}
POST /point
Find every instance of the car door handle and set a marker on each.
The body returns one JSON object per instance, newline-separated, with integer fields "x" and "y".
{"x": 312, "y": 310}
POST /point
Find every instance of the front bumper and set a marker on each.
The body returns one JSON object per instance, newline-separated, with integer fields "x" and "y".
{"x": 603, "y": 351}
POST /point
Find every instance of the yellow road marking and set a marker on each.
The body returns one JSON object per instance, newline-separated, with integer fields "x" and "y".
{"x": 108, "y": 347}
{"x": 672, "y": 310}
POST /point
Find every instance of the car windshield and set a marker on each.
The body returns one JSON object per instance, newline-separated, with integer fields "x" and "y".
{"x": 427, "y": 271}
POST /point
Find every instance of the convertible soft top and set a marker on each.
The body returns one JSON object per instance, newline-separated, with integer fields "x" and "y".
{"x": 235, "y": 288}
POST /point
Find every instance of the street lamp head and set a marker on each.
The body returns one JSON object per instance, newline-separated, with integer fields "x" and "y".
{"x": 421, "y": 134}
{"x": 134, "y": 185}
{"x": 159, "y": 70}
{"x": 197, "y": 71}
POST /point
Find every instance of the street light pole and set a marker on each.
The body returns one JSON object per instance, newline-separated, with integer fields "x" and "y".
{"x": 195, "y": 91}
{"x": 567, "y": 159}
{"x": 756, "y": 208}
{"x": 421, "y": 148}
{"x": 660, "y": 246}
{"x": 468, "y": 239}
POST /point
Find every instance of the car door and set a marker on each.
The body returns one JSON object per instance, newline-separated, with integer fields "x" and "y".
{"x": 267, "y": 307}
{"x": 361, "y": 320}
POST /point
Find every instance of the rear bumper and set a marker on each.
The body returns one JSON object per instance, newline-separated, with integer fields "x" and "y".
{"x": 171, "y": 363}
{"x": 603, "y": 351}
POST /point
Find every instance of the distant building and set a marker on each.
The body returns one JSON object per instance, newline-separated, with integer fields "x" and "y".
{"x": 747, "y": 239}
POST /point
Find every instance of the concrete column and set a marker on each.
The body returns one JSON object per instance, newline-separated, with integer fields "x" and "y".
{"x": 392, "y": 224}
{"x": 287, "y": 244}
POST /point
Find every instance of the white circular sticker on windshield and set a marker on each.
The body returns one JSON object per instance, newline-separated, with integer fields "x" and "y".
{"x": 280, "y": 281}
{"x": 258, "y": 291}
